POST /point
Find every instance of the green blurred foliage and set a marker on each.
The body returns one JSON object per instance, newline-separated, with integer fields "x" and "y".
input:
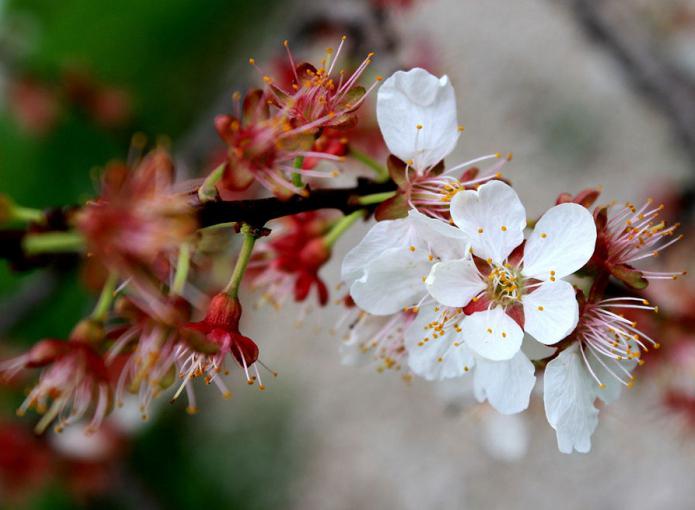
{"x": 170, "y": 57}
{"x": 246, "y": 464}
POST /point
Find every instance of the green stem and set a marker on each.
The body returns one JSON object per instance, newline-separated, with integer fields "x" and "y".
{"x": 382, "y": 175}
{"x": 242, "y": 261}
{"x": 105, "y": 298}
{"x": 375, "y": 198}
{"x": 183, "y": 264}
{"x": 296, "y": 176}
{"x": 341, "y": 226}
{"x": 229, "y": 224}
{"x": 9, "y": 211}
{"x": 26, "y": 214}
{"x": 53, "y": 242}
{"x": 208, "y": 190}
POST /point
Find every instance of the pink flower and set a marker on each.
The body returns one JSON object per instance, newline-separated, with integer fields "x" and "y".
{"x": 155, "y": 341}
{"x": 316, "y": 97}
{"x": 430, "y": 191}
{"x": 74, "y": 379}
{"x": 626, "y": 235}
{"x": 138, "y": 218}
{"x": 265, "y": 148}
{"x": 609, "y": 342}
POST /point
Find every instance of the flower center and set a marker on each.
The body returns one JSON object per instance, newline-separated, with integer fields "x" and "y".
{"x": 504, "y": 285}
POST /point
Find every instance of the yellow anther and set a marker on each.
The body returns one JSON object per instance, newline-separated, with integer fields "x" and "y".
{"x": 480, "y": 230}
{"x": 540, "y": 308}
{"x": 460, "y": 129}
{"x": 418, "y": 126}
{"x": 544, "y": 235}
{"x": 504, "y": 228}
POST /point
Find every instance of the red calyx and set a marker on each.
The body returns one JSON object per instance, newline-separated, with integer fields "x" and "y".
{"x": 221, "y": 327}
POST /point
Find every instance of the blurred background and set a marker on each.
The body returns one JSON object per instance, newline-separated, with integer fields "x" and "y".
{"x": 583, "y": 93}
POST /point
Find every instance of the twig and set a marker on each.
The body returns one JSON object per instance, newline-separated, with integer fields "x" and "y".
{"x": 254, "y": 212}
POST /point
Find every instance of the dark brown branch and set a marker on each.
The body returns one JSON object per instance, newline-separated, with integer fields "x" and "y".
{"x": 257, "y": 212}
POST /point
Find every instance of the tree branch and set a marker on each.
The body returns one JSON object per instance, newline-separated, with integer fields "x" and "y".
{"x": 255, "y": 212}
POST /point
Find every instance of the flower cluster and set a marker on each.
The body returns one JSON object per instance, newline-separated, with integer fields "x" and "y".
{"x": 452, "y": 281}
{"x": 481, "y": 289}
{"x": 278, "y": 135}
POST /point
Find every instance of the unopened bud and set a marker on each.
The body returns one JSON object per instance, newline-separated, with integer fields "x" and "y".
{"x": 89, "y": 331}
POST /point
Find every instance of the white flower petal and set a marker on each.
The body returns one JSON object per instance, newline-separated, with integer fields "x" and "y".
{"x": 455, "y": 282}
{"x": 562, "y": 241}
{"x": 492, "y": 334}
{"x": 444, "y": 240}
{"x": 551, "y": 312}
{"x": 383, "y": 236}
{"x": 507, "y": 384}
{"x": 392, "y": 281}
{"x": 492, "y": 217}
{"x": 534, "y": 350}
{"x": 415, "y": 98}
{"x": 569, "y": 395}
{"x": 443, "y": 357}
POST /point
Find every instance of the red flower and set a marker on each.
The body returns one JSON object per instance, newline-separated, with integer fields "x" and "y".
{"x": 265, "y": 148}
{"x": 288, "y": 264}
{"x": 221, "y": 327}
{"x": 206, "y": 355}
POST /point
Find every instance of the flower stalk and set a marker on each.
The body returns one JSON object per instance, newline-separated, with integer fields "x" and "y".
{"x": 296, "y": 176}
{"x": 53, "y": 242}
{"x": 108, "y": 292}
{"x": 10, "y": 211}
{"x": 376, "y": 198}
{"x": 250, "y": 236}
{"x": 381, "y": 173}
{"x": 208, "y": 190}
{"x": 183, "y": 265}
{"x": 341, "y": 226}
